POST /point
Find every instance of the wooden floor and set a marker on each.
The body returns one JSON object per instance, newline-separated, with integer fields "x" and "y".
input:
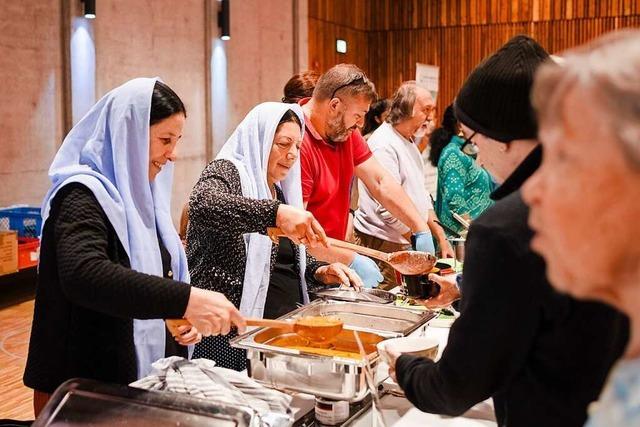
{"x": 15, "y": 325}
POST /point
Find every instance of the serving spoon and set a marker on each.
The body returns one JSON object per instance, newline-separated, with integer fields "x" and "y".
{"x": 317, "y": 329}
{"x": 406, "y": 262}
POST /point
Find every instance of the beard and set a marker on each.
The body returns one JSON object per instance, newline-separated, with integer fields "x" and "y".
{"x": 337, "y": 131}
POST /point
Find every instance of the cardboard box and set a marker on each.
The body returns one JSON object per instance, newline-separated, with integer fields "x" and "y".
{"x": 8, "y": 252}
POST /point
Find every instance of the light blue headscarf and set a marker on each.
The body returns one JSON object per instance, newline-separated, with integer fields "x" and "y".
{"x": 248, "y": 149}
{"x": 108, "y": 151}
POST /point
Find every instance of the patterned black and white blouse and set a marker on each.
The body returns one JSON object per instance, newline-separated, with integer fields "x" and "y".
{"x": 219, "y": 215}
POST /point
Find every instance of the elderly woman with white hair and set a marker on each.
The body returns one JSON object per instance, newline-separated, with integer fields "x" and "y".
{"x": 254, "y": 184}
{"x": 584, "y": 198}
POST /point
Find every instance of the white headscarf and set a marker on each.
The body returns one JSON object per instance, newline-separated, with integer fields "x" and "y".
{"x": 108, "y": 151}
{"x": 248, "y": 149}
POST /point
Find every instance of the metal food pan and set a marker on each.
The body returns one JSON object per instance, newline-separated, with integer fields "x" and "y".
{"x": 290, "y": 369}
{"x": 384, "y": 320}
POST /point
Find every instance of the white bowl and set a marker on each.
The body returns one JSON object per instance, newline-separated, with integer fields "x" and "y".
{"x": 414, "y": 346}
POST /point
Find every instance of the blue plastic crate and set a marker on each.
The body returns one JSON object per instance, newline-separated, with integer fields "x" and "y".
{"x": 26, "y": 220}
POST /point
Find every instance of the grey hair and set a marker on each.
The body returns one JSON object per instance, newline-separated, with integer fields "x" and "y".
{"x": 338, "y": 79}
{"x": 402, "y": 102}
{"x": 609, "y": 67}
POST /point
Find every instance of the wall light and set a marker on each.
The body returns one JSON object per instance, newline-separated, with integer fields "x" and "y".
{"x": 89, "y": 9}
{"x": 224, "y": 21}
{"x": 341, "y": 46}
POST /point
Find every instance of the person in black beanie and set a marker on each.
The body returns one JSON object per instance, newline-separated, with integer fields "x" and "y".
{"x": 542, "y": 356}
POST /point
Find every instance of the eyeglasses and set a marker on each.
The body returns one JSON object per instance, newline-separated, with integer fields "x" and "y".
{"x": 358, "y": 80}
{"x": 469, "y": 147}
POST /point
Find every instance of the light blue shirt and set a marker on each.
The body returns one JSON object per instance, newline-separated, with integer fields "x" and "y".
{"x": 619, "y": 404}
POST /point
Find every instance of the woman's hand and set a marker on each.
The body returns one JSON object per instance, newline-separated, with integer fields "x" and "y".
{"x": 338, "y": 273}
{"x": 449, "y": 292}
{"x": 187, "y": 335}
{"x": 393, "y": 358}
{"x": 212, "y": 313}
{"x": 300, "y": 226}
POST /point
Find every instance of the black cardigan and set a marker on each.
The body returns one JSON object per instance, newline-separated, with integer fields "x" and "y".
{"x": 219, "y": 216}
{"x": 541, "y": 355}
{"x": 87, "y": 297}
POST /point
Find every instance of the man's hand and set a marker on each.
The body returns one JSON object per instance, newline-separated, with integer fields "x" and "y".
{"x": 446, "y": 251}
{"x": 449, "y": 292}
{"x": 338, "y": 273}
{"x": 368, "y": 271}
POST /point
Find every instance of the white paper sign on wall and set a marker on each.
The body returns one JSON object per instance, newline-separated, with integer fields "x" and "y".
{"x": 427, "y": 76}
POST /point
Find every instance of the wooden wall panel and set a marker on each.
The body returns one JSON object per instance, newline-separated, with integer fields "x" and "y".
{"x": 347, "y": 13}
{"x": 322, "y": 46}
{"x": 453, "y": 34}
{"x": 415, "y": 14}
{"x": 457, "y": 50}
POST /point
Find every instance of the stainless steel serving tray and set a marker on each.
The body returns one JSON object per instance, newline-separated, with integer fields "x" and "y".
{"x": 376, "y": 296}
{"x": 79, "y": 402}
{"x": 332, "y": 377}
{"x": 385, "y": 320}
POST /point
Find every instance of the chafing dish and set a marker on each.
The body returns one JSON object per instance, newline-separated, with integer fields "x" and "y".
{"x": 79, "y": 402}
{"x": 332, "y": 377}
{"x": 377, "y": 296}
{"x": 385, "y": 320}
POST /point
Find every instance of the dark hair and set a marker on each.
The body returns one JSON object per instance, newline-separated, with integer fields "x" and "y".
{"x": 164, "y": 103}
{"x": 300, "y": 86}
{"x": 440, "y": 137}
{"x": 375, "y": 112}
{"x": 289, "y": 116}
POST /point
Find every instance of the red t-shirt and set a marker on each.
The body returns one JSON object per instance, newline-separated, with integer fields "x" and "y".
{"x": 327, "y": 172}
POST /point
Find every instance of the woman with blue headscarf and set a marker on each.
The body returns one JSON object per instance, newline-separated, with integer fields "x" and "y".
{"x": 111, "y": 263}
{"x": 253, "y": 184}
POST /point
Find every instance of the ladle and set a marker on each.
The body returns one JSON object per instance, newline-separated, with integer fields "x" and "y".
{"x": 317, "y": 329}
{"x": 406, "y": 262}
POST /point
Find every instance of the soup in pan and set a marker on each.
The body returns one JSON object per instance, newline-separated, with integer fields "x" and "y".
{"x": 344, "y": 345}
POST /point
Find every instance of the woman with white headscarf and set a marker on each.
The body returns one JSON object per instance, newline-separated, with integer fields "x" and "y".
{"x": 253, "y": 184}
{"x": 111, "y": 263}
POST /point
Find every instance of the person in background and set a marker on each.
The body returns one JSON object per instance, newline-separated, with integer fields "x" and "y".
{"x": 111, "y": 263}
{"x": 300, "y": 86}
{"x": 542, "y": 356}
{"x": 393, "y": 146}
{"x": 463, "y": 186}
{"x": 584, "y": 198}
{"x": 333, "y": 151}
{"x": 254, "y": 184}
{"x": 376, "y": 116}
{"x": 422, "y": 140}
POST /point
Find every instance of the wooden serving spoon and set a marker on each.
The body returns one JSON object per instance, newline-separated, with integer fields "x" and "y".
{"x": 406, "y": 262}
{"x": 313, "y": 328}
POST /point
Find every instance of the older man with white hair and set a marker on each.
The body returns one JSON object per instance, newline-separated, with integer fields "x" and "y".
{"x": 584, "y": 200}
{"x": 394, "y": 146}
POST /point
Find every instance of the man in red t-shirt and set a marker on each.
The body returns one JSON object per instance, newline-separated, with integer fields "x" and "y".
{"x": 333, "y": 151}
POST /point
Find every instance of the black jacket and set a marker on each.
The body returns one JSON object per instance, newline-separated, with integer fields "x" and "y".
{"x": 541, "y": 355}
{"x": 87, "y": 297}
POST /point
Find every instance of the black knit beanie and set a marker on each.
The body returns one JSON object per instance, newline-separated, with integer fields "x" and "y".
{"x": 494, "y": 100}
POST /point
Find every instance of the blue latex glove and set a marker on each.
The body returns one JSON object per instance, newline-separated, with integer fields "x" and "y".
{"x": 423, "y": 242}
{"x": 368, "y": 271}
